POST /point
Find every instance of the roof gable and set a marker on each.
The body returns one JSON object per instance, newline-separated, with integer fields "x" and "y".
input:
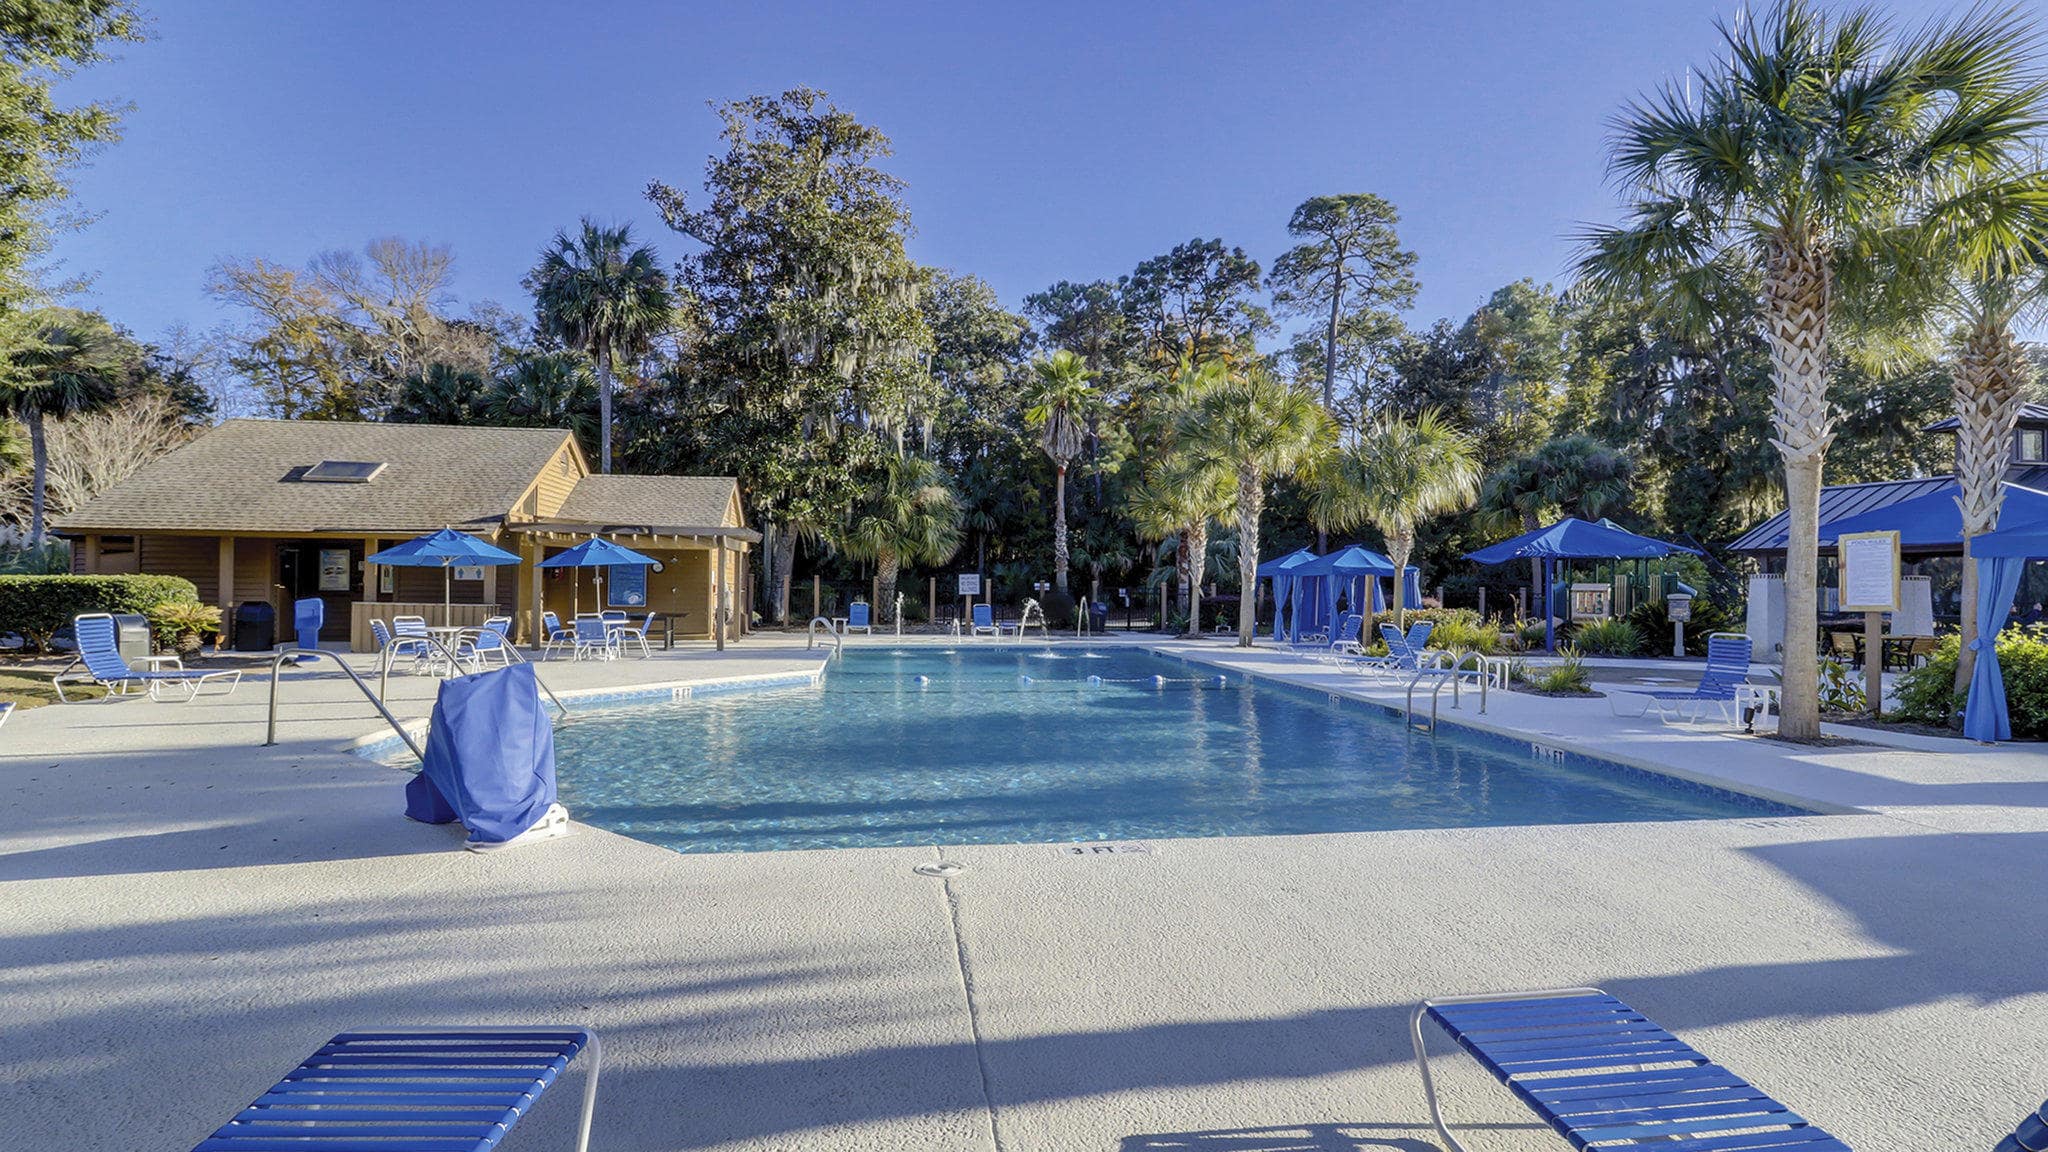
{"x": 655, "y": 501}
{"x": 247, "y": 476}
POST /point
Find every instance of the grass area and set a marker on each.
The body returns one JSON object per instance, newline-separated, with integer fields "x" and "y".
{"x": 30, "y": 688}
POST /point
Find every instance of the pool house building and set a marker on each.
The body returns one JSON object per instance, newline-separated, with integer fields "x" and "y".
{"x": 274, "y": 511}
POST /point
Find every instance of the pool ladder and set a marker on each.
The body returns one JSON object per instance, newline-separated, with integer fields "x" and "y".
{"x": 838, "y": 641}
{"x": 1445, "y": 668}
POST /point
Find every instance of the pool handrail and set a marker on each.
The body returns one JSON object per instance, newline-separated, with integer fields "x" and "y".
{"x": 811, "y": 635}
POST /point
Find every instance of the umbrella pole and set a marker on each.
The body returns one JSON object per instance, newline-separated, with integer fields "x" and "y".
{"x": 1549, "y": 622}
{"x": 447, "y": 596}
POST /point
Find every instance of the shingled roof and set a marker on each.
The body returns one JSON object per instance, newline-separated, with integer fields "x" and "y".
{"x": 246, "y": 476}
{"x": 654, "y": 501}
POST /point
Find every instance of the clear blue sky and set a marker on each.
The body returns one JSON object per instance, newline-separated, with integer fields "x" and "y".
{"x": 1050, "y": 141}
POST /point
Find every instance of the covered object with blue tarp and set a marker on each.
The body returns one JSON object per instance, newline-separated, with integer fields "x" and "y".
{"x": 490, "y": 760}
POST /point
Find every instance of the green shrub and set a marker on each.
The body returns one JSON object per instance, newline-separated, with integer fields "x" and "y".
{"x": 1456, "y": 628}
{"x": 1927, "y": 694}
{"x": 1654, "y": 621}
{"x": 1567, "y": 675}
{"x": 1841, "y": 689}
{"x": 1529, "y": 634}
{"x": 37, "y": 606}
{"x": 1608, "y": 638}
{"x": 183, "y": 625}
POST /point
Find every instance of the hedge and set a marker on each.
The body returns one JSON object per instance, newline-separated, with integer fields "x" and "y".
{"x": 37, "y": 606}
{"x": 1927, "y": 694}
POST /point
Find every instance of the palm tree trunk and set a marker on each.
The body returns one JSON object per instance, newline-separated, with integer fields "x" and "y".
{"x": 1797, "y": 285}
{"x": 39, "y": 477}
{"x": 604, "y": 408}
{"x": 782, "y": 558}
{"x": 1400, "y": 545}
{"x": 1529, "y": 524}
{"x": 1198, "y": 565}
{"x": 1251, "y": 498}
{"x": 1989, "y": 384}
{"x": 887, "y": 567}
{"x": 1059, "y": 527}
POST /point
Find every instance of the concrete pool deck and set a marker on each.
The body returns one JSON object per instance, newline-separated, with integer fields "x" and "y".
{"x": 189, "y": 914}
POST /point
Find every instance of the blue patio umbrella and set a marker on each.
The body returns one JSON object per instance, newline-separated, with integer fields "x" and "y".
{"x": 1279, "y": 572}
{"x": 596, "y": 553}
{"x": 1574, "y": 539}
{"x": 446, "y": 550}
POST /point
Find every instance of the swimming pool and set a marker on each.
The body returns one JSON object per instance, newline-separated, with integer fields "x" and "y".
{"x": 1019, "y": 745}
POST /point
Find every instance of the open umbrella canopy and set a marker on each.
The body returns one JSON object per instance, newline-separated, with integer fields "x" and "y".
{"x": 1935, "y": 521}
{"x": 444, "y": 549}
{"x": 596, "y": 553}
{"x": 1575, "y": 539}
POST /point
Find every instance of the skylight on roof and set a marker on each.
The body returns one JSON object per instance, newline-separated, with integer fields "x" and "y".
{"x": 343, "y": 472}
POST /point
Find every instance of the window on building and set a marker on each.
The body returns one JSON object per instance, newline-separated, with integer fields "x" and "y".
{"x": 2034, "y": 445}
{"x": 343, "y": 472}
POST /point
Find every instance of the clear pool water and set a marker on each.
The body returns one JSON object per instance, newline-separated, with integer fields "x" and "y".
{"x": 1016, "y": 745}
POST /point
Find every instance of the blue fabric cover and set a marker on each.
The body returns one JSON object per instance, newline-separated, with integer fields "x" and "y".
{"x": 1281, "y": 572}
{"x": 1998, "y": 580}
{"x": 490, "y": 756}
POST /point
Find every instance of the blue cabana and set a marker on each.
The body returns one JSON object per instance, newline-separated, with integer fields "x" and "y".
{"x": 1350, "y": 574}
{"x": 1574, "y": 539}
{"x": 1935, "y": 520}
{"x": 1279, "y": 571}
{"x": 2000, "y": 558}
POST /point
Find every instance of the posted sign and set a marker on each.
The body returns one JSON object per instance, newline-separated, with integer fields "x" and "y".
{"x": 970, "y": 584}
{"x": 1870, "y": 571}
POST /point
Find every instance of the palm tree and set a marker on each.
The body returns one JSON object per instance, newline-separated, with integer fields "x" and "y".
{"x": 606, "y": 296}
{"x": 907, "y": 514}
{"x": 1176, "y": 501}
{"x": 1058, "y": 406}
{"x": 1805, "y": 144}
{"x": 1979, "y": 261}
{"x": 1397, "y": 474}
{"x": 1577, "y": 474}
{"x": 70, "y": 362}
{"x": 547, "y": 390}
{"x": 1253, "y": 427}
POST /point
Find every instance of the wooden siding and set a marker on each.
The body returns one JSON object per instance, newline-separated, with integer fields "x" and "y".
{"x": 196, "y": 558}
{"x": 552, "y": 487}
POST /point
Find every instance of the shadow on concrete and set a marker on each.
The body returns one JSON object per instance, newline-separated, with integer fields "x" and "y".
{"x": 1317, "y": 1137}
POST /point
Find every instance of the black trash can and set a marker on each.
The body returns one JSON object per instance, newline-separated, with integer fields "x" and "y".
{"x": 255, "y": 626}
{"x": 131, "y": 636}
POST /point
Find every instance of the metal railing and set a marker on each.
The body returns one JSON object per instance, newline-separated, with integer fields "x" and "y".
{"x": 276, "y": 674}
{"x": 386, "y": 653}
{"x": 1445, "y": 668}
{"x": 376, "y": 698}
{"x": 811, "y": 635}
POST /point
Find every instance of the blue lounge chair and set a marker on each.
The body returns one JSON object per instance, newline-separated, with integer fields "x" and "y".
{"x": 1344, "y": 642}
{"x": 6, "y": 710}
{"x": 1727, "y": 671}
{"x": 100, "y": 652}
{"x": 1606, "y": 1078}
{"x": 859, "y": 616}
{"x": 413, "y": 1090}
{"x": 1404, "y": 652}
{"x": 984, "y": 622}
{"x": 2030, "y": 1136}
